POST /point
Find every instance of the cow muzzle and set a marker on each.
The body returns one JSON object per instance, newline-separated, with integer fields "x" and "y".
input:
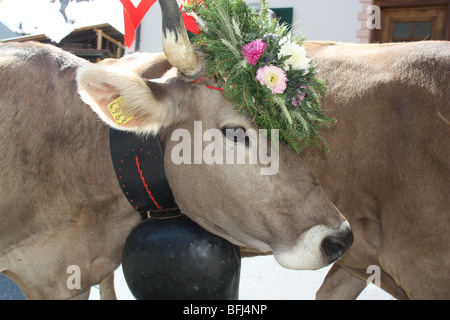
{"x": 316, "y": 248}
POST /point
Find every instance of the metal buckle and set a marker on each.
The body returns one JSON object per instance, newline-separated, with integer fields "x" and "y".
{"x": 164, "y": 214}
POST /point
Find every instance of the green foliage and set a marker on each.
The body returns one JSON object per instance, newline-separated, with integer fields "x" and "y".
{"x": 230, "y": 24}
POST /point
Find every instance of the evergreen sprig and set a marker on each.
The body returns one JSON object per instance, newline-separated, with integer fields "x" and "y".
{"x": 296, "y": 112}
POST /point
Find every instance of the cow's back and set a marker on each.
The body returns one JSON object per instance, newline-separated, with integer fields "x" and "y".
{"x": 388, "y": 170}
{"x": 59, "y": 198}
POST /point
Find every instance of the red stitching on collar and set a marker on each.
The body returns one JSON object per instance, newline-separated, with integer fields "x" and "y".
{"x": 211, "y": 87}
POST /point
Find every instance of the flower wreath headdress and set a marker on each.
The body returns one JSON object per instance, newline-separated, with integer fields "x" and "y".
{"x": 264, "y": 69}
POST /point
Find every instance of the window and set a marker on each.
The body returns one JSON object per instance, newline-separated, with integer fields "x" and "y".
{"x": 411, "y": 24}
{"x": 285, "y": 15}
{"x": 411, "y": 31}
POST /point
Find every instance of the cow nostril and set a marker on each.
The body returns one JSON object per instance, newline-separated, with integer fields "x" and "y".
{"x": 333, "y": 249}
{"x": 335, "y": 246}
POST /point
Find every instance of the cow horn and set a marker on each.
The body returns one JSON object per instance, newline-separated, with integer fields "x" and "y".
{"x": 175, "y": 41}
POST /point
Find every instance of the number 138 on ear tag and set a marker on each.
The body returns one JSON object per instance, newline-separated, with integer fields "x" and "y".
{"x": 117, "y": 112}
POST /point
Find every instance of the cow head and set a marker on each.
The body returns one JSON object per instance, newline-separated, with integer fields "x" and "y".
{"x": 285, "y": 211}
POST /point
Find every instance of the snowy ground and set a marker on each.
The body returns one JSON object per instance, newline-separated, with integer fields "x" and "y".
{"x": 263, "y": 279}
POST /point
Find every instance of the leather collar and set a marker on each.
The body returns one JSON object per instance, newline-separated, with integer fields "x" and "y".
{"x": 139, "y": 166}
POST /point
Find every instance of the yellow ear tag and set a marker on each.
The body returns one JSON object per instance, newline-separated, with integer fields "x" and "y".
{"x": 117, "y": 112}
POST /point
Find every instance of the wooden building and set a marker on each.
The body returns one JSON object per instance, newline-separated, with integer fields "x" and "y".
{"x": 407, "y": 20}
{"x": 92, "y": 43}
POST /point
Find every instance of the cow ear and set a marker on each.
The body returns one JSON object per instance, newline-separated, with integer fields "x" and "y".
{"x": 123, "y": 99}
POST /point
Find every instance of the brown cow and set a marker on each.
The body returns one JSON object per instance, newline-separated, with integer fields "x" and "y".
{"x": 60, "y": 204}
{"x": 388, "y": 170}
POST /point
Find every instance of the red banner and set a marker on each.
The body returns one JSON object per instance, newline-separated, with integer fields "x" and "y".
{"x": 189, "y": 22}
{"x": 134, "y": 15}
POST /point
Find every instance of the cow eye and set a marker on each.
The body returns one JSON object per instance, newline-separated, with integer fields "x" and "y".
{"x": 236, "y": 134}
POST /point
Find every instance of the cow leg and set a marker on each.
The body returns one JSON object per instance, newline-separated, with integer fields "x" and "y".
{"x": 107, "y": 291}
{"x": 83, "y": 296}
{"x": 339, "y": 284}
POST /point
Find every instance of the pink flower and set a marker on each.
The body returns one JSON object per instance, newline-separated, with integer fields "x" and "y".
{"x": 253, "y": 51}
{"x": 272, "y": 77}
{"x": 300, "y": 95}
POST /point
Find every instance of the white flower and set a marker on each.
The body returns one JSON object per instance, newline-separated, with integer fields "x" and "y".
{"x": 298, "y": 59}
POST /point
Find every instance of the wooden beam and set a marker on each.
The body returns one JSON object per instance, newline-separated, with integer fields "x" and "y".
{"x": 111, "y": 39}
{"x": 99, "y": 37}
{"x": 409, "y": 3}
{"x": 447, "y": 24}
{"x": 99, "y": 40}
